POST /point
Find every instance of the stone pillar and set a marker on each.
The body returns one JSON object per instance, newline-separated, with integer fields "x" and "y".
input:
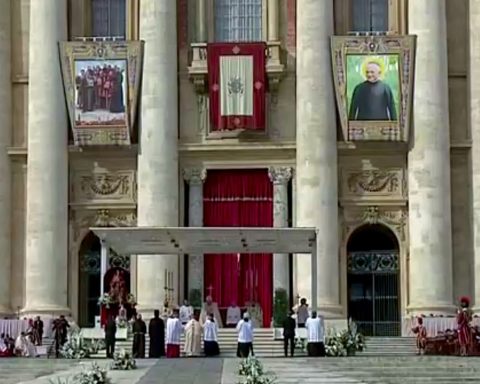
{"x": 429, "y": 164}
{"x": 273, "y": 22}
{"x": 195, "y": 178}
{"x": 158, "y": 154}
{"x": 316, "y": 170}
{"x": 474, "y": 86}
{"x": 46, "y": 260}
{"x": 280, "y": 178}
{"x": 5, "y": 142}
{"x": 201, "y": 22}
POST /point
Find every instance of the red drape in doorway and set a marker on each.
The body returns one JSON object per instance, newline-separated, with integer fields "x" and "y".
{"x": 239, "y": 198}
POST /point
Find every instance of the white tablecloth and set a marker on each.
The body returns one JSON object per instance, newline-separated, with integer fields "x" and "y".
{"x": 434, "y": 325}
{"x": 13, "y": 327}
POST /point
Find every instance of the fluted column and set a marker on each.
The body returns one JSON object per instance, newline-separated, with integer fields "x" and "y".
{"x": 5, "y": 142}
{"x": 474, "y": 85}
{"x": 195, "y": 178}
{"x": 429, "y": 164}
{"x": 158, "y": 155}
{"x": 273, "y": 22}
{"x": 280, "y": 176}
{"x": 201, "y": 21}
{"x": 47, "y": 176}
{"x": 316, "y": 171}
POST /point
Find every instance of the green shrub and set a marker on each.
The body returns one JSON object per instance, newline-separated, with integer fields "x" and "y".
{"x": 280, "y": 307}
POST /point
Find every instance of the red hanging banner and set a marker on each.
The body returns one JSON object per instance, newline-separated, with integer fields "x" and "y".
{"x": 237, "y": 82}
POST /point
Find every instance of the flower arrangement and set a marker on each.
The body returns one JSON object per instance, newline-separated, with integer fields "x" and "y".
{"x": 346, "y": 342}
{"x": 106, "y": 299}
{"x": 131, "y": 299}
{"x": 122, "y": 322}
{"x": 94, "y": 375}
{"x": 75, "y": 347}
{"x": 123, "y": 361}
{"x": 252, "y": 372}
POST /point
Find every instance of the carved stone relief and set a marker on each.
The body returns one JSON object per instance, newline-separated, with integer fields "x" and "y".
{"x": 393, "y": 217}
{"x": 82, "y": 220}
{"x": 88, "y": 187}
{"x": 388, "y": 184}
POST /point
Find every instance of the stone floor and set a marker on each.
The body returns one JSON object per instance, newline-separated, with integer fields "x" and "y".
{"x": 359, "y": 370}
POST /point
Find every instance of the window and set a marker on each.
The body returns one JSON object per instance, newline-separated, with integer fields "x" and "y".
{"x": 109, "y": 18}
{"x": 369, "y": 15}
{"x": 238, "y": 20}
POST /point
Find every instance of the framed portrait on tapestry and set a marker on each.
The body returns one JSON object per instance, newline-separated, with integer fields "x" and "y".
{"x": 373, "y": 77}
{"x": 101, "y": 81}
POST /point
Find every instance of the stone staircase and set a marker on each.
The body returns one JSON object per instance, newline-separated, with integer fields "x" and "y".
{"x": 389, "y": 346}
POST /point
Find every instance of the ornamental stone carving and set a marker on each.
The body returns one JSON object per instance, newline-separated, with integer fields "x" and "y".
{"x": 194, "y": 176}
{"x": 103, "y": 186}
{"x": 102, "y": 218}
{"x": 280, "y": 175}
{"x": 394, "y": 217}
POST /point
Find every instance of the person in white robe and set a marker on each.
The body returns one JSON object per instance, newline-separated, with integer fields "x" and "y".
{"x": 186, "y": 312}
{"x": 174, "y": 332}
{"x": 234, "y": 315}
{"x": 315, "y": 335}
{"x": 193, "y": 338}
{"x": 245, "y": 336}
{"x": 21, "y": 345}
{"x": 31, "y": 348}
{"x": 210, "y": 337}
{"x": 210, "y": 307}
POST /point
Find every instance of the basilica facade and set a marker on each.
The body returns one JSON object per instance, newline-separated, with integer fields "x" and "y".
{"x": 398, "y": 220}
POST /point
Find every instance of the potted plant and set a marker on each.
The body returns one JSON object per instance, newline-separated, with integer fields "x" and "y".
{"x": 195, "y": 298}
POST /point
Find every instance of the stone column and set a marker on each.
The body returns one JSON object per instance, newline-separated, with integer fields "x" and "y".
{"x": 429, "y": 164}
{"x": 195, "y": 178}
{"x": 158, "y": 154}
{"x": 474, "y": 85}
{"x": 316, "y": 170}
{"x": 46, "y": 260}
{"x": 280, "y": 178}
{"x": 5, "y": 142}
{"x": 273, "y": 22}
{"x": 201, "y": 21}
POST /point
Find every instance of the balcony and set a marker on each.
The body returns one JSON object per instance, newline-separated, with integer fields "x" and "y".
{"x": 198, "y": 69}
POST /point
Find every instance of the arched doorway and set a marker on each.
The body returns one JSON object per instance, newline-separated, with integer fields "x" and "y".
{"x": 373, "y": 280}
{"x": 89, "y": 277}
{"x": 89, "y": 280}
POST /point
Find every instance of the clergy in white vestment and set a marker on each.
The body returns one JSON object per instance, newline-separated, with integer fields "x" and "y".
{"x": 174, "y": 332}
{"x": 186, "y": 312}
{"x": 193, "y": 338}
{"x": 210, "y": 337}
{"x": 234, "y": 315}
{"x": 21, "y": 345}
{"x": 210, "y": 307}
{"x": 245, "y": 336}
{"x": 315, "y": 335}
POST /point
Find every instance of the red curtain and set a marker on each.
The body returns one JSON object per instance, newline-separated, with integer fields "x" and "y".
{"x": 239, "y": 198}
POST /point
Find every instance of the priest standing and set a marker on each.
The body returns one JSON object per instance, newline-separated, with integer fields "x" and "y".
{"x": 156, "y": 331}
{"x": 174, "y": 332}
{"x": 139, "y": 329}
{"x": 316, "y": 336}
{"x": 193, "y": 337}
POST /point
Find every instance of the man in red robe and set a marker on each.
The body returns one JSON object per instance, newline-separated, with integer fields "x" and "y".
{"x": 464, "y": 317}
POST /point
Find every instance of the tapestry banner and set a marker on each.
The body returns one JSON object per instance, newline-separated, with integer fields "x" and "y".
{"x": 373, "y": 77}
{"x": 102, "y": 82}
{"x": 237, "y": 83}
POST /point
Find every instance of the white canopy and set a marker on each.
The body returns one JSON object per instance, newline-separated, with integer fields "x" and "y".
{"x": 190, "y": 240}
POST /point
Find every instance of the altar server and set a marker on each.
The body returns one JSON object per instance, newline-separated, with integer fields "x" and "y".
{"x": 234, "y": 315}
{"x": 210, "y": 337}
{"x": 186, "y": 313}
{"x": 174, "y": 332}
{"x": 245, "y": 336}
{"x": 316, "y": 335}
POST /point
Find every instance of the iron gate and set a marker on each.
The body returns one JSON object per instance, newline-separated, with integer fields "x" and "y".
{"x": 373, "y": 292}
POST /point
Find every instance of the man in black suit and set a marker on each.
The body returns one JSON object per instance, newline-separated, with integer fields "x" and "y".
{"x": 110, "y": 331}
{"x": 289, "y": 334}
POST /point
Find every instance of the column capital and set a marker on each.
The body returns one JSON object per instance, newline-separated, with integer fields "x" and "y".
{"x": 280, "y": 175}
{"x": 194, "y": 176}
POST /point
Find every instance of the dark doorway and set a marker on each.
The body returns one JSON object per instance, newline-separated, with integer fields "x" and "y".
{"x": 89, "y": 280}
{"x": 373, "y": 280}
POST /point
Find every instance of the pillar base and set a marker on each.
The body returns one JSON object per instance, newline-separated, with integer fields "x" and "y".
{"x": 330, "y": 311}
{"x": 442, "y": 309}
{"x": 47, "y": 311}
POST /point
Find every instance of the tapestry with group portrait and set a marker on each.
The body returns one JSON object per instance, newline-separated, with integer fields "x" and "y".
{"x": 101, "y": 81}
{"x": 373, "y": 77}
